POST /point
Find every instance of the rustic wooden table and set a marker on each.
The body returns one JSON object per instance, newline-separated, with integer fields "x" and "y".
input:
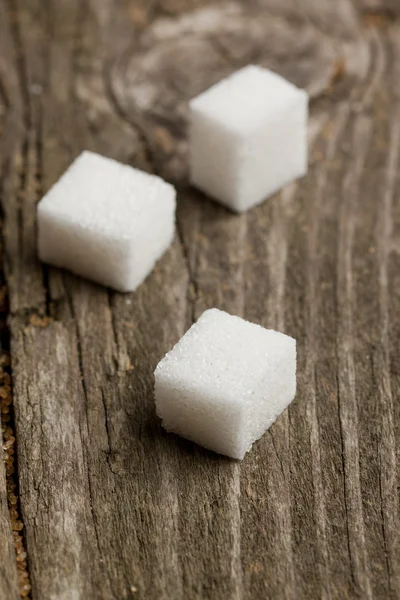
{"x": 112, "y": 506}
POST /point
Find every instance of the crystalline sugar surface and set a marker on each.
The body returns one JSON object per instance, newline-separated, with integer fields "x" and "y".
{"x": 106, "y": 221}
{"x": 248, "y": 137}
{"x": 225, "y": 382}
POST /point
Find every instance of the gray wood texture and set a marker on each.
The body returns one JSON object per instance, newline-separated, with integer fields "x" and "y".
{"x": 113, "y": 507}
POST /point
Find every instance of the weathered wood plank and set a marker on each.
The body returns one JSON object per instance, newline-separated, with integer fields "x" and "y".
{"x": 113, "y": 507}
{"x": 9, "y": 117}
{"x": 8, "y": 566}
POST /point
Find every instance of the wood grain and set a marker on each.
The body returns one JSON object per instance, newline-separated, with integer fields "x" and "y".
{"x": 8, "y": 566}
{"x": 9, "y": 589}
{"x": 114, "y": 507}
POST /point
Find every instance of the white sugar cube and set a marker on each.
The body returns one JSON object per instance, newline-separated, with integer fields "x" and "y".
{"x": 248, "y": 137}
{"x": 106, "y": 221}
{"x": 225, "y": 382}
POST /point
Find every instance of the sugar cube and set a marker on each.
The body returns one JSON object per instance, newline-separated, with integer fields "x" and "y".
{"x": 225, "y": 382}
{"x": 106, "y": 221}
{"x": 248, "y": 137}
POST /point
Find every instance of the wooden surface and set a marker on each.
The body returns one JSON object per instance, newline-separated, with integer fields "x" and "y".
{"x": 8, "y": 565}
{"x": 112, "y": 506}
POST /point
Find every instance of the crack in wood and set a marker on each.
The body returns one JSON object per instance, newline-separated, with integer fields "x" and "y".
{"x": 7, "y": 437}
{"x": 4, "y": 98}
{"x": 353, "y": 578}
{"x": 192, "y": 284}
{"x": 109, "y": 451}
{"x": 13, "y": 14}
